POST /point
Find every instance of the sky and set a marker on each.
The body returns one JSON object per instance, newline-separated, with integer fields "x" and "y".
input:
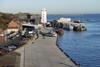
{"x": 52, "y": 6}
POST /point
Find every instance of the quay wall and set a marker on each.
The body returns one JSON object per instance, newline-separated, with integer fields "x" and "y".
{"x": 66, "y": 53}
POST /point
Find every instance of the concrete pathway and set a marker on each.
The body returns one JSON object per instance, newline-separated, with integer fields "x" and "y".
{"x": 43, "y": 53}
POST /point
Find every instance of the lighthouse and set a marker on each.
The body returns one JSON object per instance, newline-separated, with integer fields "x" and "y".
{"x": 44, "y": 16}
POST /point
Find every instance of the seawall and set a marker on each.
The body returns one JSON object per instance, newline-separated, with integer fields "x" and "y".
{"x": 66, "y": 53}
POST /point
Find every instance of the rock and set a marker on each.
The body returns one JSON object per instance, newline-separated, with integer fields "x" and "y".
{"x": 60, "y": 32}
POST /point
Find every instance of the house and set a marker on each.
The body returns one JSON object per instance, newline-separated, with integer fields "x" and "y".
{"x": 14, "y": 26}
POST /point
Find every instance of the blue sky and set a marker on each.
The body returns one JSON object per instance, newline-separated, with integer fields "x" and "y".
{"x": 53, "y": 6}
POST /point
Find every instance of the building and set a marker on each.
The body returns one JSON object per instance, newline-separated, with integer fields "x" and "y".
{"x": 64, "y": 20}
{"x": 14, "y": 26}
{"x": 44, "y": 16}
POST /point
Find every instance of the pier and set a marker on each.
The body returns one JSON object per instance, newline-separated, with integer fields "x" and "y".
{"x": 43, "y": 53}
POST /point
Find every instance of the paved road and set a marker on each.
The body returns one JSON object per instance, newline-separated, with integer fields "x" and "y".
{"x": 43, "y": 53}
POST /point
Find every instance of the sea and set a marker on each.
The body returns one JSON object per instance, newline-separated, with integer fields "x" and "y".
{"x": 82, "y": 47}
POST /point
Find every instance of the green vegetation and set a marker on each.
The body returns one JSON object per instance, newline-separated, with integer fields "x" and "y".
{"x": 5, "y": 18}
{"x": 3, "y": 26}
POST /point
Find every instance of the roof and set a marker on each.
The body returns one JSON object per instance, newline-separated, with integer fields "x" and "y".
{"x": 13, "y": 24}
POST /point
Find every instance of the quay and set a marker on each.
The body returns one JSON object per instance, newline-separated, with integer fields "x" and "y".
{"x": 43, "y": 53}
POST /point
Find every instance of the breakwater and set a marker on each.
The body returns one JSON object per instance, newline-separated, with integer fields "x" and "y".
{"x": 67, "y": 24}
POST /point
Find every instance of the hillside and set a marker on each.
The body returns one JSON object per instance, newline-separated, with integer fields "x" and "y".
{"x": 5, "y": 18}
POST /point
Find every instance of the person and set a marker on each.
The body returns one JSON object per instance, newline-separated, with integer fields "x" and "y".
{"x": 37, "y": 34}
{"x": 36, "y": 31}
{"x": 42, "y": 32}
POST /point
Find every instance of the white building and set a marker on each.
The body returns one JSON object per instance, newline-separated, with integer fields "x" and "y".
{"x": 64, "y": 20}
{"x": 44, "y": 16}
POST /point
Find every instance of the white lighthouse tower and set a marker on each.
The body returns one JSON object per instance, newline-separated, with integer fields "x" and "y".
{"x": 44, "y": 16}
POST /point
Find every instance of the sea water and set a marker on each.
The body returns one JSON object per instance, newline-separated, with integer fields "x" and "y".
{"x": 82, "y": 47}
